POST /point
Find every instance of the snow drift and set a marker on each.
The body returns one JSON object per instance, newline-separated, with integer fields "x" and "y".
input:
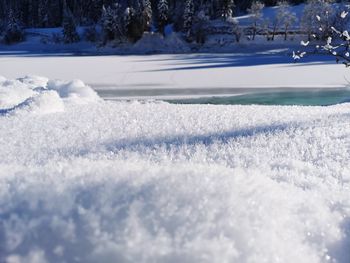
{"x": 156, "y": 43}
{"x": 154, "y": 182}
{"x": 39, "y": 95}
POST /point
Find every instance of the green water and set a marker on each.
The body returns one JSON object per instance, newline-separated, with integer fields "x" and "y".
{"x": 319, "y": 97}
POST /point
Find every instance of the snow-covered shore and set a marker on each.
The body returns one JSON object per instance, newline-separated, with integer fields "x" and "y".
{"x": 98, "y": 181}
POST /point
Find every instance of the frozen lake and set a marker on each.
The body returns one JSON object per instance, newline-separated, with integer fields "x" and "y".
{"x": 182, "y": 73}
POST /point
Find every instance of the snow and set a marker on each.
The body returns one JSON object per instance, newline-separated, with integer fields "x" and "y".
{"x": 139, "y": 181}
{"x": 156, "y": 43}
{"x": 135, "y": 76}
{"x": 39, "y": 95}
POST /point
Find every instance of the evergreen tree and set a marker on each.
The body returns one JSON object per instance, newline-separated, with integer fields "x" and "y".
{"x": 111, "y": 22}
{"x": 13, "y": 31}
{"x": 70, "y": 34}
{"x": 163, "y": 15}
{"x": 188, "y": 17}
{"x": 227, "y": 8}
{"x": 147, "y": 15}
{"x": 43, "y": 19}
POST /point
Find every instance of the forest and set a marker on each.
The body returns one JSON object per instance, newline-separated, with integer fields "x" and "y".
{"x": 127, "y": 20}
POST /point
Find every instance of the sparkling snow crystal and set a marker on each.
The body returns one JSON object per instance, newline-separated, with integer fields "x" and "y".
{"x": 154, "y": 182}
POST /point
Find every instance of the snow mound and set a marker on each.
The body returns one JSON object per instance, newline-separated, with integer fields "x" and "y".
{"x": 40, "y": 95}
{"x": 156, "y": 43}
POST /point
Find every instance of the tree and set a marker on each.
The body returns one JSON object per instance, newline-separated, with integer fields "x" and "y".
{"x": 13, "y": 31}
{"x": 163, "y": 15}
{"x": 236, "y": 29}
{"x": 111, "y": 23}
{"x": 255, "y": 12}
{"x": 43, "y": 19}
{"x": 133, "y": 23}
{"x": 227, "y": 8}
{"x": 188, "y": 17}
{"x": 200, "y": 22}
{"x": 340, "y": 50}
{"x": 147, "y": 15}
{"x": 285, "y": 17}
{"x": 317, "y": 19}
{"x": 70, "y": 34}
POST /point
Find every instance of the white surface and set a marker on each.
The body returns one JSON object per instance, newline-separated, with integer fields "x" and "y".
{"x": 180, "y": 71}
{"x": 154, "y": 182}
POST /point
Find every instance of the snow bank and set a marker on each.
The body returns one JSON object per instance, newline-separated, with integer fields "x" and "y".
{"x": 154, "y": 182}
{"x": 39, "y": 95}
{"x": 156, "y": 43}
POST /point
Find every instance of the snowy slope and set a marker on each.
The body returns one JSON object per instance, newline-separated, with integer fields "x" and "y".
{"x": 152, "y": 182}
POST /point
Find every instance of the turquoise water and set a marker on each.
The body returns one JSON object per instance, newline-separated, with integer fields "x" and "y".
{"x": 320, "y": 97}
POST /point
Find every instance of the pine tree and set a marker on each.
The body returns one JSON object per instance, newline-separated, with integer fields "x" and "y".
{"x": 227, "y": 8}
{"x": 43, "y": 13}
{"x": 147, "y": 15}
{"x": 163, "y": 15}
{"x": 188, "y": 17}
{"x": 13, "y": 31}
{"x": 112, "y": 23}
{"x": 70, "y": 34}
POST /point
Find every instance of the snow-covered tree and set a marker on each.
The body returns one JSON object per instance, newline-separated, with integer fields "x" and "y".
{"x": 317, "y": 19}
{"x": 13, "y": 32}
{"x": 199, "y": 27}
{"x": 285, "y": 17}
{"x": 341, "y": 21}
{"x": 43, "y": 19}
{"x": 111, "y": 22}
{"x": 70, "y": 34}
{"x": 188, "y": 17}
{"x": 236, "y": 29}
{"x": 227, "y": 8}
{"x": 147, "y": 14}
{"x": 339, "y": 49}
{"x": 255, "y": 12}
{"x": 163, "y": 15}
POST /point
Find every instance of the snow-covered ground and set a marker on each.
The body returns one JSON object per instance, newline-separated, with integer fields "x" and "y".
{"x": 85, "y": 180}
{"x": 180, "y": 74}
